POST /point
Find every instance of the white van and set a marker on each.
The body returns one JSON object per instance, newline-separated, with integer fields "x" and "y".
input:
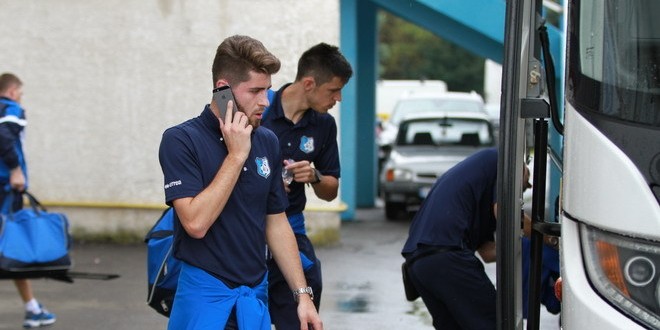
{"x": 388, "y": 92}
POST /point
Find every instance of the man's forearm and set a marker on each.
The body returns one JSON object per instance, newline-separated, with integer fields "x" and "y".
{"x": 283, "y": 245}
{"x": 488, "y": 251}
{"x": 326, "y": 189}
{"x": 197, "y": 214}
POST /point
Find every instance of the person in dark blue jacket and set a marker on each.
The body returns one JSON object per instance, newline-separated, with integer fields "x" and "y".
{"x": 223, "y": 177}
{"x": 308, "y": 141}
{"x": 13, "y": 176}
{"x": 456, "y": 219}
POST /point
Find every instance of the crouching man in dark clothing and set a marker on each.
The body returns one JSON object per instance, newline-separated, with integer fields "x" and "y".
{"x": 456, "y": 220}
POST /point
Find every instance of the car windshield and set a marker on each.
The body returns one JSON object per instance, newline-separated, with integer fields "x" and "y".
{"x": 406, "y": 107}
{"x": 445, "y": 131}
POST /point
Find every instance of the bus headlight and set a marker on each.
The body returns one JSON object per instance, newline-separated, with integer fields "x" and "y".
{"x": 622, "y": 269}
{"x": 639, "y": 271}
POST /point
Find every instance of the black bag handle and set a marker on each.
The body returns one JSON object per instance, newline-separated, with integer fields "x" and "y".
{"x": 37, "y": 207}
{"x": 34, "y": 202}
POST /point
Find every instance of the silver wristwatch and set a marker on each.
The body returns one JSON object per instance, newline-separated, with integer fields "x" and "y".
{"x": 307, "y": 290}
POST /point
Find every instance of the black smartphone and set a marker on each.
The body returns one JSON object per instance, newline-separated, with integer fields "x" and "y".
{"x": 221, "y": 96}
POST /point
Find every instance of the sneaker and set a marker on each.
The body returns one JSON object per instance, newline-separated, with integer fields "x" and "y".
{"x": 33, "y": 320}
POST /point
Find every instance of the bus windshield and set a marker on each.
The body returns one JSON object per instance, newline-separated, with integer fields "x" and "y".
{"x": 618, "y": 55}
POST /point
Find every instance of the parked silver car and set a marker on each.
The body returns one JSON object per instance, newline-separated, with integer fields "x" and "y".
{"x": 426, "y": 146}
{"x": 427, "y": 103}
{"x": 415, "y": 103}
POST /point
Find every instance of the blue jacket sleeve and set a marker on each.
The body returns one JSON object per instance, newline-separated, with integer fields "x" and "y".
{"x": 9, "y": 133}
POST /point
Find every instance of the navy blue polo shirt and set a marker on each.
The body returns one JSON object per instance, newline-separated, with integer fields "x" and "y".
{"x": 458, "y": 212}
{"x": 313, "y": 138}
{"x": 234, "y": 249}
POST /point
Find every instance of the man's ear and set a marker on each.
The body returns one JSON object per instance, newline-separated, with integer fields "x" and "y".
{"x": 308, "y": 83}
{"x": 14, "y": 91}
{"x": 221, "y": 82}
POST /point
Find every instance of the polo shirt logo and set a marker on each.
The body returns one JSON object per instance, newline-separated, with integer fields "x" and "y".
{"x": 262, "y": 166}
{"x": 307, "y": 144}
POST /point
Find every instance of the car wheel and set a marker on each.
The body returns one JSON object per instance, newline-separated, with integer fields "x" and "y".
{"x": 395, "y": 211}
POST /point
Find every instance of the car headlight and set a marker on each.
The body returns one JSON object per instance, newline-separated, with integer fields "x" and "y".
{"x": 624, "y": 271}
{"x": 397, "y": 174}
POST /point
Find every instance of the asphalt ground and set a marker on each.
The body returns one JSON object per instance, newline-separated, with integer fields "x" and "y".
{"x": 361, "y": 274}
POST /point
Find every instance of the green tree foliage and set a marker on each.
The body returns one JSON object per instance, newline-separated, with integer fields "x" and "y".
{"x": 407, "y": 51}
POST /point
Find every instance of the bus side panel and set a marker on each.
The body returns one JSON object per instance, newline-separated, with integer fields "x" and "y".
{"x": 601, "y": 186}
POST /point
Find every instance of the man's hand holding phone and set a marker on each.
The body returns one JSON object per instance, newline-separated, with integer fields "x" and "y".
{"x": 233, "y": 124}
{"x": 221, "y": 96}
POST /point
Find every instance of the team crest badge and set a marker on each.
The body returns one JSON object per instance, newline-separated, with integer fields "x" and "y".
{"x": 307, "y": 144}
{"x": 262, "y": 166}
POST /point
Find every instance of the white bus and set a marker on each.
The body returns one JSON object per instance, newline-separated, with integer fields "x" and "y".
{"x": 609, "y": 210}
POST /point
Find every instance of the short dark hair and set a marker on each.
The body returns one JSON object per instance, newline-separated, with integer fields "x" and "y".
{"x": 237, "y": 55}
{"x": 8, "y": 80}
{"x": 323, "y": 62}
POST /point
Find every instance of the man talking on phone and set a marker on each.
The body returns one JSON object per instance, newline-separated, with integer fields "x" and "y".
{"x": 222, "y": 175}
{"x": 308, "y": 142}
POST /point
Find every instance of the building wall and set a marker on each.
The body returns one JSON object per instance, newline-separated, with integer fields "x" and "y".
{"x": 103, "y": 79}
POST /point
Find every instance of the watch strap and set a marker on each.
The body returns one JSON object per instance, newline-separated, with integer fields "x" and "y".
{"x": 317, "y": 176}
{"x": 308, "y": 290}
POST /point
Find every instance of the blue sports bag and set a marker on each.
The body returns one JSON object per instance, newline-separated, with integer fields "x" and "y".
{"x": 162, "y": 268}
{"x": 33, "y": 239}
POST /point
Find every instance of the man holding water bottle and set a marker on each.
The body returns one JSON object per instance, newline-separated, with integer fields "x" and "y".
{"x": 299, "y": 117}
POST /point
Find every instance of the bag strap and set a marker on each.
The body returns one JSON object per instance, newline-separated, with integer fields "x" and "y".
{"x": 34, "y": 202}
{"x": 9, "y": 202}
